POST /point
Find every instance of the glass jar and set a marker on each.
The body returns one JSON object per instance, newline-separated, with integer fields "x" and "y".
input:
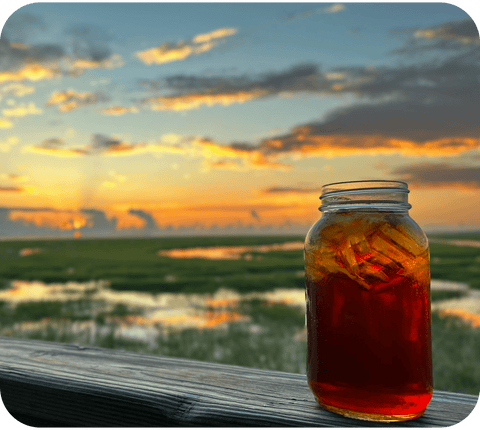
{"x": 368, "y": 303}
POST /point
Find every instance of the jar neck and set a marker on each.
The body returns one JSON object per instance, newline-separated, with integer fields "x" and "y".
{"x": 366, "y": 196}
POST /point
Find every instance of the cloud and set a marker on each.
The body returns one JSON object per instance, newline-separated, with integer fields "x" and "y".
{"x": 62, "y": 220}
{"x": 22, "y": 110}
{"x": 245, "y": 157}
{"x": 11, "y": 190}
{"x": 149, "y": 222}
{"x": 77, "y": 66}
{"x": 190, "y": 92}
{"x": 239, "y": 156}
{"x": 440, "y": 175}
{"x": 70, "y": 100}
{"x": 426, "y": 109}
{"x": 6, "y": 145}
{"x": 293, "y": 190}
{"x": 115, "y": 179}
{"x": 14, "y": 178}
{"x": 5, "y": 123}
{"x": 101, "y": 145}
{"x": 17, "y": 90}
{"x": 89, "y": 42}
{"x": 193, "y": 101}
{"x": 55, "y": 147}
{"x": 127, "y": 218}
{"x": 118, "y": 110}
{"x": 452, "y": 35}
{"x": 464, "y": 32}
{"x": 21, "y": 26}
{"x": 169, "y": 52}
{"x": 448, "y": 80}
{"x": 20, "y": 61}
{"x": 23, "y": 221}
{"x": 208, "y": 165}
{"x": 105, "y": 145}
{"x": 255, "y": 215}
{"x": 221, "y": 33}
{"x": 334, "y": 8}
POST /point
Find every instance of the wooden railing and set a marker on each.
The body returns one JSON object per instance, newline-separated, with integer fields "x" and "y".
{"x": 47, "y": 384}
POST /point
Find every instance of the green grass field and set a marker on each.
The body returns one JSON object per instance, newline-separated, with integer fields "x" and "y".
{"x": 272, "y": 338}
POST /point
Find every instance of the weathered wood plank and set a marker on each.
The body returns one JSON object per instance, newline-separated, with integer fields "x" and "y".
{"x": 47, "y": 384}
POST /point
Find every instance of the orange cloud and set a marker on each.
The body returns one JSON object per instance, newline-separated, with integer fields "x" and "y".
{"x": 251, "y": 156}
{"x": 125, "y": 220}
{"x": 334, "y": 8}
{"x": 215, "y": 34}
{"x": 5, "y": 123}
{"x": 6, "y": 145}
{"x": 165, "y": 53}
{"x": 77, "y": 66}
{"x": 30, "y": 72}
{"x": 15, "y": 178}
{"x": 169, "y": 52}
{"x": 17, "y": 89}
{"x": 440, "y": 175}
{"x": 55, "y": 151}
{"x": 22, "y": 110}
{"x": 51, "y": 219}
{"x": 126, "y": 148}
{"x": 221, "y": 165}
{"x": 313, "y": 141}
{"x": 463, "y": 32}
{"x": 194, "y": 101}
{"x": 11, "y": 190}
{"x": 69, "y": 100}
{"x": 118, "y": 110}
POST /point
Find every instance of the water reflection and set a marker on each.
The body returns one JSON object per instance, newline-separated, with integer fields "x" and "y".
{"x": 92, "y": 309}
{"x": 229, "y": 252}
{"x": 144, "y": 315}
{"x": 29, "y": 251}
{"x": 470, "y": 318}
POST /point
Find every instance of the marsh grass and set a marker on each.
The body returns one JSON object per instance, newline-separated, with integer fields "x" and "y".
{"x": 272, "y": 339}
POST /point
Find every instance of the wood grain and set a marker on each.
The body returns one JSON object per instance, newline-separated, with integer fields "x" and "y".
{"x": 52, "y": 384}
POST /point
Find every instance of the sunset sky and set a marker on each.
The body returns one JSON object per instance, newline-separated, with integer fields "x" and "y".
{"x": 193, "y": 117}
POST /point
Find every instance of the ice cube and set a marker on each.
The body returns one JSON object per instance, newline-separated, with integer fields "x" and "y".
{"x": 401, "y": 239}
{"x": 382, "y": 243}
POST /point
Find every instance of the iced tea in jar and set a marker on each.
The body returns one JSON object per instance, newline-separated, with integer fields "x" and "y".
{"x": 368, "y": 303}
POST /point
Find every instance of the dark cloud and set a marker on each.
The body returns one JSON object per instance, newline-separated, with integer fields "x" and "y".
{"x": 303, "y": 77}
{"x": 52, "y": 143}
{"x": 297, "y": 190}
{"x": 431, "y": 106}
{"x": 150, "y": 221}
{"x": 14, "y": 56}
{"x": 89, "y": 42}
{"x": 100, "y": 143}
{"x": 255, "y": 215}
{"x": 191, "y": 92}
{"x": 452, "y": 35}
{"x": 418, "y": 122}
{"x": 11, "y": 189}
{"x": 20, "y": 27}
{"x": 439, "y": 174}
{"x": 69, "y": 100}
{"x": 449, "y": 80}
{"x": 99, "y": 224}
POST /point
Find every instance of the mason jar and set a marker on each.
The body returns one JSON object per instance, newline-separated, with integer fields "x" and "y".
{"x": 368, "y": 303}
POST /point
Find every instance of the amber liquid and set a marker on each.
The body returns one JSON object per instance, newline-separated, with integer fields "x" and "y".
{"x": 369, "y": 351}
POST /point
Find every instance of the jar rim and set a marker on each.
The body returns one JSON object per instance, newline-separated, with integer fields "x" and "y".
{"x": 375, "y": 185}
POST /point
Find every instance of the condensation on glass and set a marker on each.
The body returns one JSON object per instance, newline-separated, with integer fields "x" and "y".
{"x": 368, "y": 303}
